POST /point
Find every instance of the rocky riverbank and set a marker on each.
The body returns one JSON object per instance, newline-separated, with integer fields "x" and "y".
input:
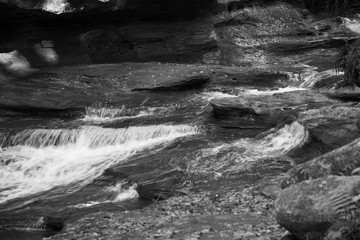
{"x": 271, "y": 62}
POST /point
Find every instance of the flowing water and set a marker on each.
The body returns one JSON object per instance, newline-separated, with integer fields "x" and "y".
{"x": 55, "y": 167}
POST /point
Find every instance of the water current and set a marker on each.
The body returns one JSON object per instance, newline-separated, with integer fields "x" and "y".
{"x": 64, "y": 166}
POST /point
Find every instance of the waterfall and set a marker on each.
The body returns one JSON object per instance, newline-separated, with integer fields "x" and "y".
{"x": 106, "y": 114}
{"x": 33, "y": 161}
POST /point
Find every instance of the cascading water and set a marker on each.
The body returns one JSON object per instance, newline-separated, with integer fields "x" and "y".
{"x": 248, "y": 92}
{"x": 242, "y": 153}
{"x": 76, "y": 170}
{"x": 35, "y": 161}
{"x": 106, "y": 114}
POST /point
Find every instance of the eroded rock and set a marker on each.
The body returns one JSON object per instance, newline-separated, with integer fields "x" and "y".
{"x": 326, "y": 207}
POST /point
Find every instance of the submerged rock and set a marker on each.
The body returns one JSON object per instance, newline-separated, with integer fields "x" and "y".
{"x": 325, "y": 208}
{"x": 341, "y": 161}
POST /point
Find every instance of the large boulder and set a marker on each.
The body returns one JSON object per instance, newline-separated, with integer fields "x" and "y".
{"x": 325, "y": 208}
{"x": 341, "y": 161}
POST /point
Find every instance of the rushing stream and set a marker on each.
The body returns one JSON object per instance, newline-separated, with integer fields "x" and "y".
{"x": 55, "y": 168}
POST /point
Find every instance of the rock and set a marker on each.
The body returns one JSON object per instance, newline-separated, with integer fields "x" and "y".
{"x": 155, "y": 192}
{"x": 329, "y": 79}
{"x": 16, "y": 64}
{"x": 341, "y": 161}
{"x": 182, "y": 84}
{"x": 269, "y": 187}
{"x": 330, "y": 127}
{"x": 326, "y": 207}
{"x": 45, "y": 50}
{"x": 348, "y": 96}
{"x": 244, "y": 76}
{"x": 235, "y": 33}
{"x": 272, "y": 110}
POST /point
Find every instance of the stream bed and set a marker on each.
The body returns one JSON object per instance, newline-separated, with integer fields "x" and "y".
{"x": 124, "y": 151}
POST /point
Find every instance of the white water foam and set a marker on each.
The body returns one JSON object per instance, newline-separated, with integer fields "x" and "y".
{"x": 272, "y": 92}
{"x": 38, "y": 160}
{"x": 238, "y": 154}
{"x": 353, "y": 25}
{"x": 251, "y": 92}
{"x": 122, "y": 195}
{"x": 217, "y": 95}
{"x": 56, "y": 6}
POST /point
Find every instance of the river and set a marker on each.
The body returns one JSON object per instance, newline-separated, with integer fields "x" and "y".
{"x": 58, "y": 166}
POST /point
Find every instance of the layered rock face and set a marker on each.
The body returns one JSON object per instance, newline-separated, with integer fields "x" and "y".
{"x": 243, "y": 33}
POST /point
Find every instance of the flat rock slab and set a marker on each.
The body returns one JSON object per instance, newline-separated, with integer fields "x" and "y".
{"x": 324, "y": 207}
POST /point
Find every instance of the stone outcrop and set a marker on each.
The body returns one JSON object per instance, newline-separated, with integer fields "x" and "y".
{"x": 341, "y": 161}
{"x": 238, "y": 33}
{"x": 325, "y": 208}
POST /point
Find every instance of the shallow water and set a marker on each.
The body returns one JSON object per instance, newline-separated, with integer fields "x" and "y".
{"x": 84, "y": 160}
